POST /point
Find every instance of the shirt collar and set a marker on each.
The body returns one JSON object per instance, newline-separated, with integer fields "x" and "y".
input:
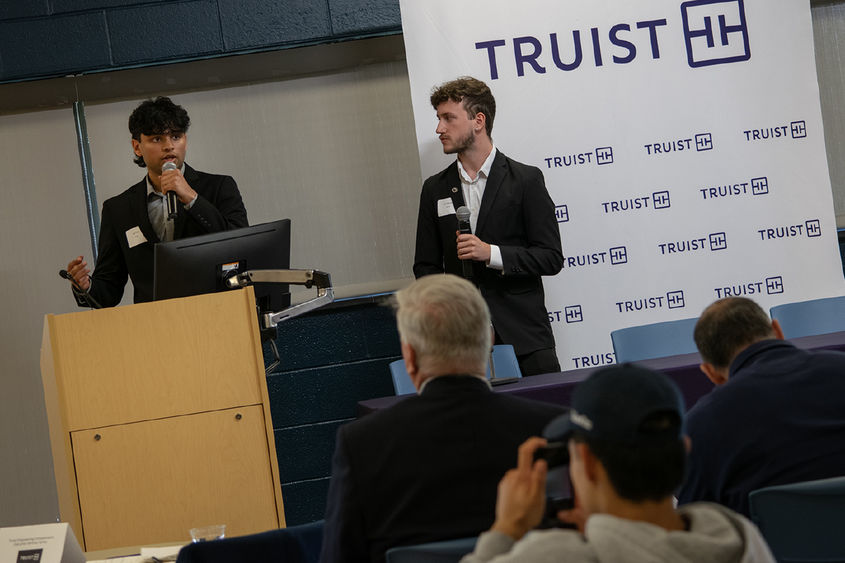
{"x": 484, "y": 171}
{"x": 750, "y": 354}
{"x": 430, "y": 379}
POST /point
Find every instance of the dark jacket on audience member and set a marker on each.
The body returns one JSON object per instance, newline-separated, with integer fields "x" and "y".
{"x": 780, "y": 418}
{"x": 426, "y": 469}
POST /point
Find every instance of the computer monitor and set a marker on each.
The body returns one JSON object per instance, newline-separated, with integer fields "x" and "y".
{"x": 196, "y": 265}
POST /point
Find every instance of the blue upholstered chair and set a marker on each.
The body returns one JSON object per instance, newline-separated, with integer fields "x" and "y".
{"x": 294, "y": 544}
{"x": 656, "y": 340}
{"x": 806, "y": 318}
{"x": 802, "y": 522}
{"x": 448, "y": 551}
{"x": 504, "y": 363}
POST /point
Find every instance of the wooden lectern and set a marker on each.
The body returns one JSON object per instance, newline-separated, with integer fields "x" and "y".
{"x": 160, "y": 420}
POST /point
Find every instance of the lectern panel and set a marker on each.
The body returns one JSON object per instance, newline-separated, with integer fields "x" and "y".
{"x": 150, "y": 482}
{"x": 154, "y": 360}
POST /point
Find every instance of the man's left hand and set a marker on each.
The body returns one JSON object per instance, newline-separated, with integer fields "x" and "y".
{"x": 172, "y": 180}
{"x": 470, "y": 247}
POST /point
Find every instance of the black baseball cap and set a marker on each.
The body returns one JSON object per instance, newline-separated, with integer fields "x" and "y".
{"x": 613, "y": 404}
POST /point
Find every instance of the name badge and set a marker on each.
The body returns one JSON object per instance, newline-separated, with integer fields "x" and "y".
{"x": 134, "y": 237}
{"x": 445, "y": 207}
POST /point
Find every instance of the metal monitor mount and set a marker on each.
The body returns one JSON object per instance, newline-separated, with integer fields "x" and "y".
{"x": 308, "y": 278}
{"x": 270, "y": 320}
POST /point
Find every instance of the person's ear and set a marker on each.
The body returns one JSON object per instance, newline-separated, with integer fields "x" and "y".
{"x": 480, "y": 122}
{"x": 776, "y": 328}
{"x": 687, "y": 444}
{"x": 589, "y": 460}
{"x": 136, "y": 147}
{"x": 718, "y": 376}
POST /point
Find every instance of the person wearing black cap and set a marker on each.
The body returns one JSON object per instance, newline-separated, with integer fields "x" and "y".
{"x": 627, "y": 453}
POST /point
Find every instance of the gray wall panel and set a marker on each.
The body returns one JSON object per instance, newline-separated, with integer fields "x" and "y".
{"x": 829, "y": 34}
{"x": 42, "y": 226}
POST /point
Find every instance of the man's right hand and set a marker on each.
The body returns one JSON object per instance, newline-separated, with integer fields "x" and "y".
{"x": 522, "y": 493}
{"x": 77, "y": 268}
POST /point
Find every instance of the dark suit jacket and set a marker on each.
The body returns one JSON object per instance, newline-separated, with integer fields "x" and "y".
{"x": 779, "y": 419}
{"x": 218, "y": 208}
{"x": 516, "y": 214}
{"x": 425, "y": 469}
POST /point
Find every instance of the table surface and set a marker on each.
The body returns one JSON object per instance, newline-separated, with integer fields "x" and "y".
{"x": 558, "y": 387}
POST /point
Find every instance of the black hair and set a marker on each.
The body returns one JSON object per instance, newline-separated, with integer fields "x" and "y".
{"x": 154, "y": 117}
{"x": 651, "y": 469}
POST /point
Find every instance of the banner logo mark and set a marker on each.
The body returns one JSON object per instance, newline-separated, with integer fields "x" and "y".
{"x": 716, "y": 32}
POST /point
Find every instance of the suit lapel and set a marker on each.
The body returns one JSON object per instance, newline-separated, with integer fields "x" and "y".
{"x": 494, "y": 182}
{"x": 138, "y": 205}
{"x": 452, "y": 186}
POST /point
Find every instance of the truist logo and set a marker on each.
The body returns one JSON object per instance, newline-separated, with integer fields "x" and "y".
{"x": 656, "y": 200}
{"x": 711, "y": 242}
{"x": 811, "y": 228}
{"x": 795, "y": 130}
{"x": 716, "y": 32}
{"x": 700, "y": 142}
{"x": 601, "y": 155}
{"x": 771, "y": 286}
{"x": 570, "y": 314}
{"x": 594, "y": 360}
{"x": 671, "y": 300}
{"x": 562, "y": 213}
{"x": 755, "y": 186}
{"x": 614, "y": 256}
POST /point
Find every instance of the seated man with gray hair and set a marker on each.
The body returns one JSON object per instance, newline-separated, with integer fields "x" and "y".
{"x": 427, "y": 468}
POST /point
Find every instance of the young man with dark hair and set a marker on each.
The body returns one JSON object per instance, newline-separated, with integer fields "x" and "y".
{"x": 132, "y": 222}
{"x": 515, "y": 237}
{"x": 776, "y": 416}
{"x": 627, "y": 450}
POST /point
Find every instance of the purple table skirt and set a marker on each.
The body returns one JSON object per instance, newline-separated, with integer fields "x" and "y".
{"x": 557, "y": 388}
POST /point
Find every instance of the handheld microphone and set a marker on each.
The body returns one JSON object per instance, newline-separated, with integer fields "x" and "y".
{"x": 91, "y": 301}
{"x": 172, "y": 198}
{"x": 464, "y": 227}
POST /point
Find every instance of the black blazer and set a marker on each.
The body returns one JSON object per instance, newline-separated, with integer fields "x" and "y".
{"x": 425, "y": 469}
{"x": 516, "y": 214}
{"x": 218, "y": 207}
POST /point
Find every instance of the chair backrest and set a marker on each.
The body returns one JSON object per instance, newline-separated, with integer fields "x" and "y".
{"x": 402, "y": 383}
{"x": 656, "y": 340}
{"x": 802, "y": 522}
{"x": 294, "y": 544}
{"x": 807, "y": 318}
{"x": 448, "y": 551}
{"x": 504, "y": 363}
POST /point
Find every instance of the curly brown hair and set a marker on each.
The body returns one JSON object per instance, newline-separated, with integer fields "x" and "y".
{"x": 474, "y": 94}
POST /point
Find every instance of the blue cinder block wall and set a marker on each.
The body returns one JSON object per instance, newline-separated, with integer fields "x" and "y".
{"x": 49, "y": 38}
{"x": 330, "y": 360}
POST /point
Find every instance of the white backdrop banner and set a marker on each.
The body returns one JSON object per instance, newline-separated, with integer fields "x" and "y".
{"x": 681, "y": 142}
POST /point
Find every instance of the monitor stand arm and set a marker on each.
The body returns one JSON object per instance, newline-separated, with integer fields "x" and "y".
{"x": 308, "y": 278}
